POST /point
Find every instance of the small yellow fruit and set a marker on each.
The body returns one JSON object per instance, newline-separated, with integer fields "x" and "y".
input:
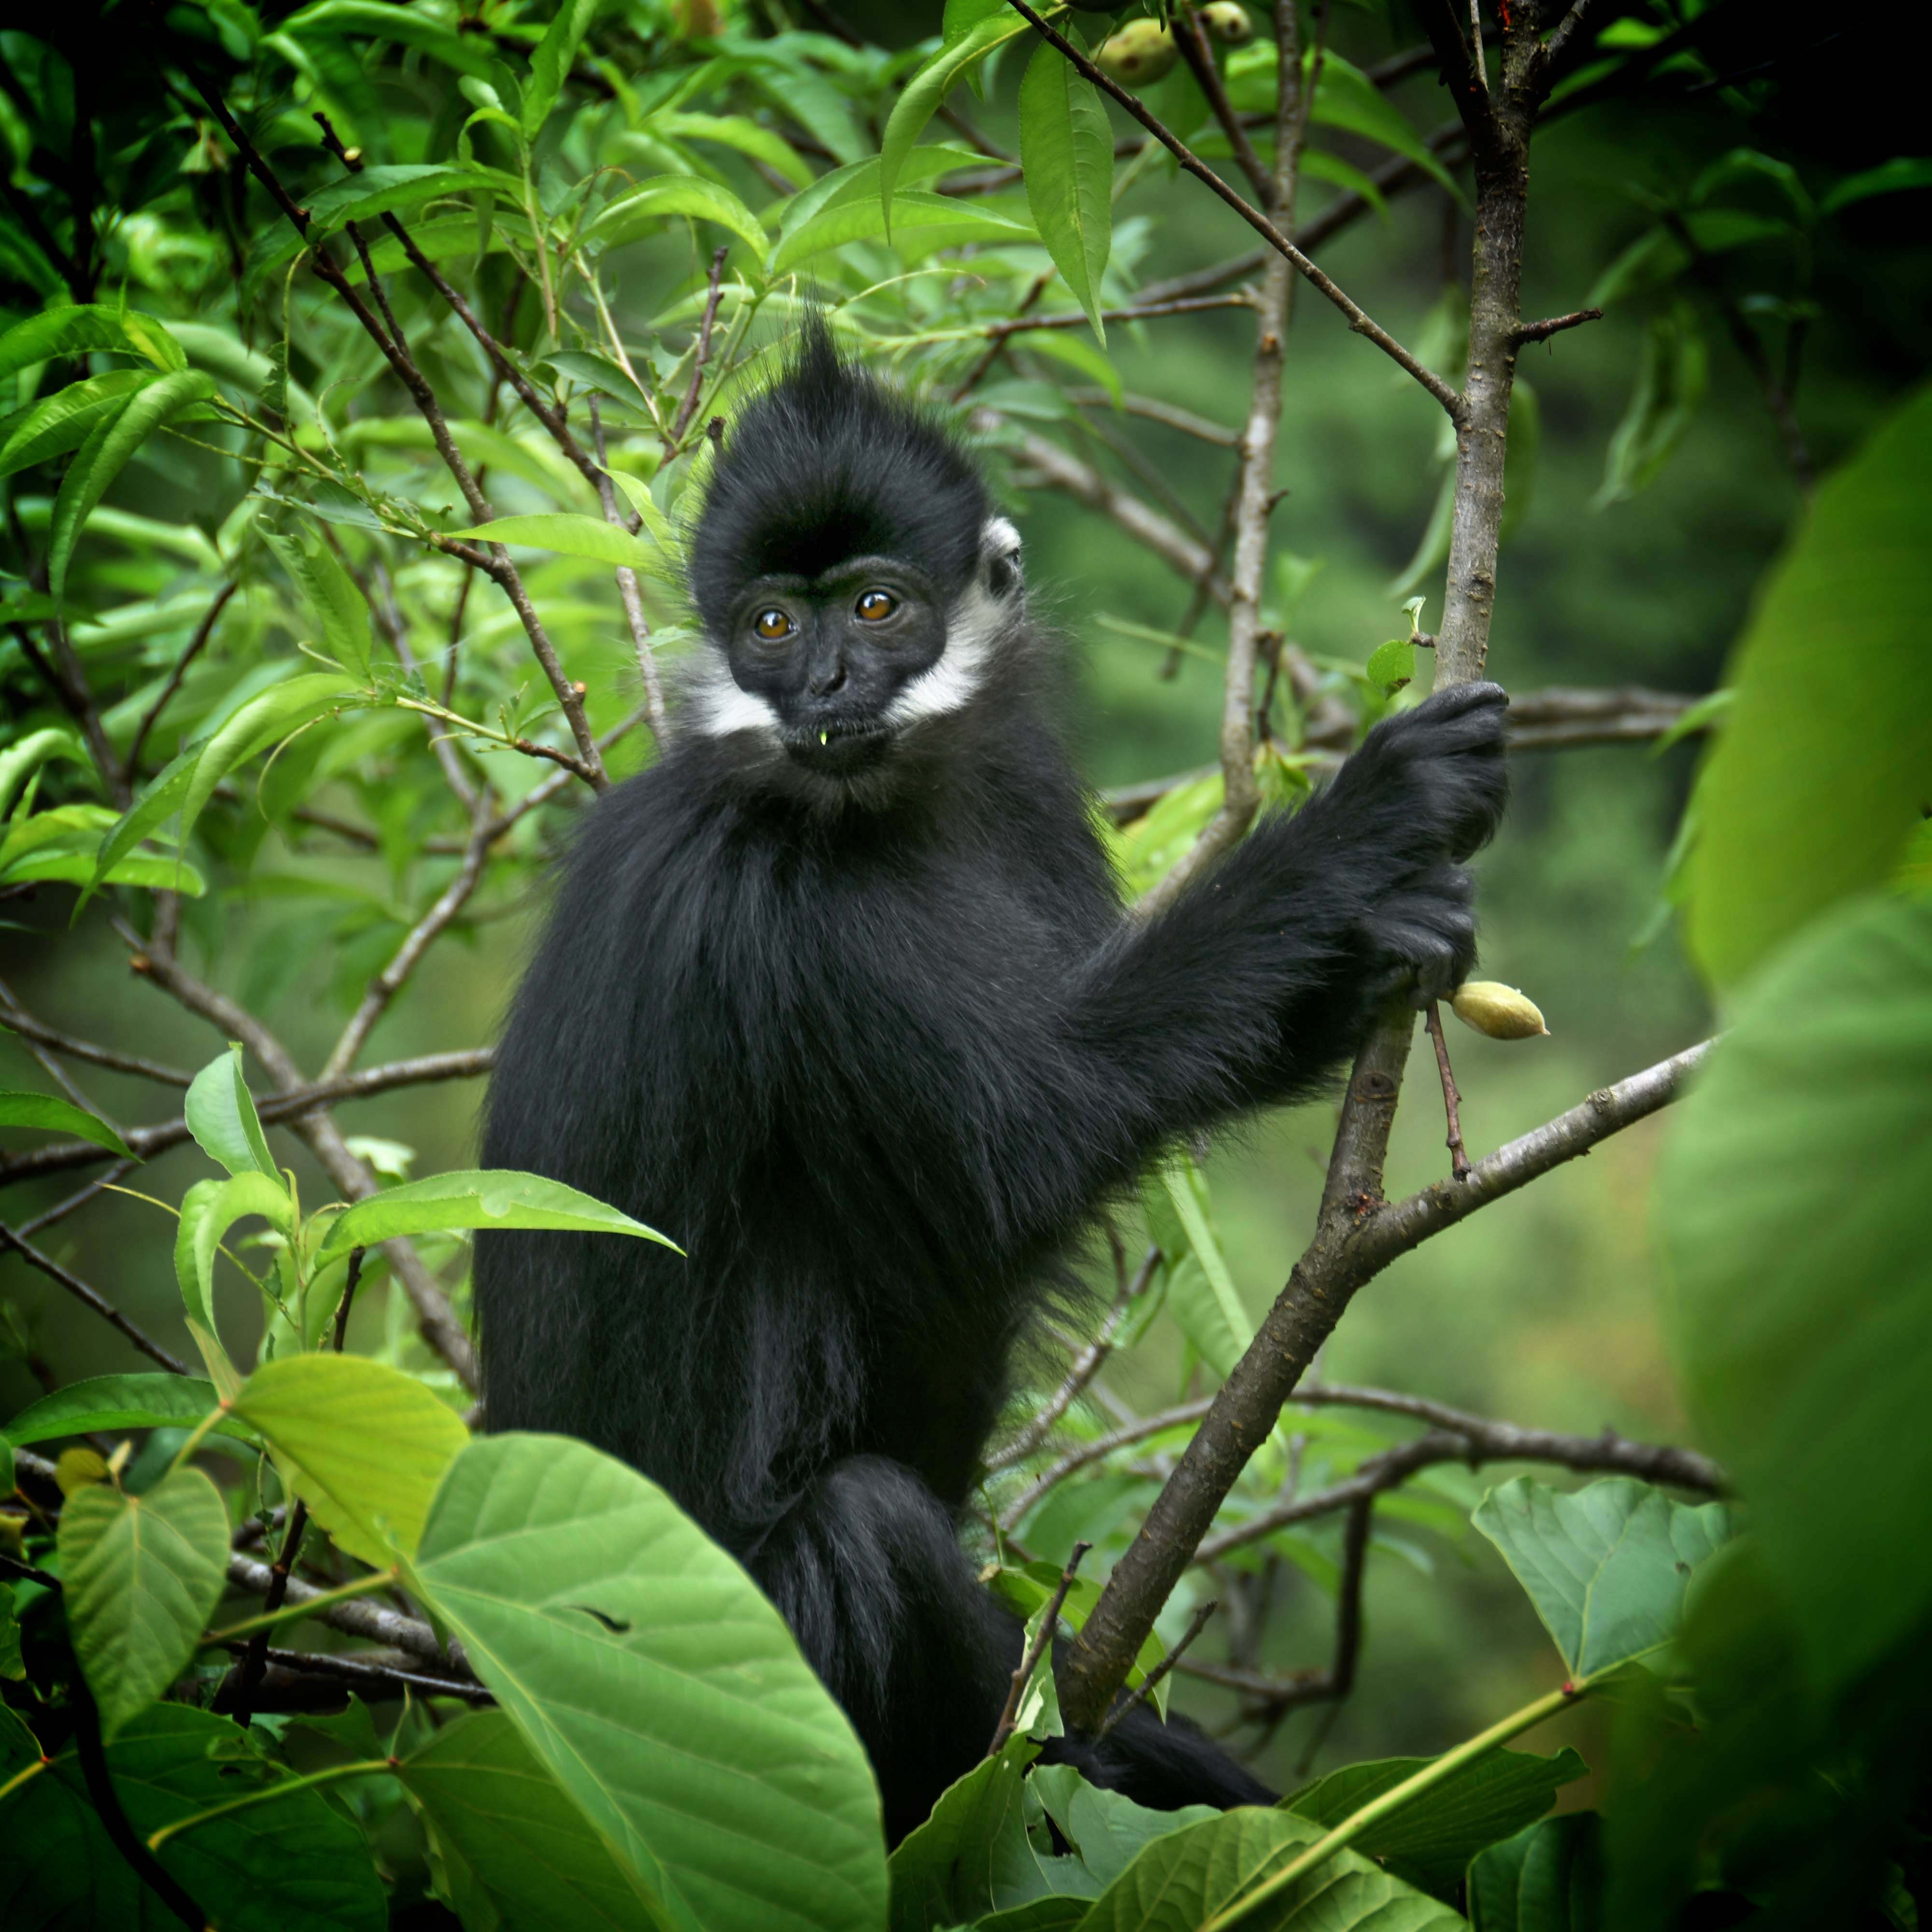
{"x": 1139, "y": 54}
{"x": 77, "y": 1469}
{"x": 1498, "y": 1010}
{"x": 1230, "y": 23}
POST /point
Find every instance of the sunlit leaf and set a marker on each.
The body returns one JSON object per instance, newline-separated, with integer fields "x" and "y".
{"x": 635, "y": 211}
{"x": 143, "y": 1401}
{"x": 59, "y": 1116}
{"x": 75, "y": 330}
{"x": 570, "y": 535}
{"x": 925, "y": 93}
{"x": 65, "y": 420}
{"x": 1066, "y": 152}
{"x": 221, "y": 1115}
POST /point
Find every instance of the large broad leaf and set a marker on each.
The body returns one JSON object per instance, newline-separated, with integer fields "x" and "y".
{"x": 1066, "y": 150}
{"x": 1825, "y": 762}
{"x": 140, "y": 1576}
{"x": 107, "y": 452}
{"x": 330, "y": 592}
{"x": 221, "y": 1114}
{"x": 368, "y": 1445}
{"x": 485, "y": 1197}
{"x": 1548, "y": 1878}
{"x": 638, "y": 210}
{"x": 658, "y": 1686}
{"x": 572, "y": 535}
{"x": 65, "y": 420}
{"x": 1430, "y": 1842}
{"x": 114, "y": 1402}
{"x": 60, "y": 1117}
{"x": 76, "y": 330}
{"x": 512, "y": 1843}
{"x": 1792, "y": 1207}
{"x": 1180, "y": 1881}
{"x": 294, "y": 1865}
{"x": 1606, "y": 1566}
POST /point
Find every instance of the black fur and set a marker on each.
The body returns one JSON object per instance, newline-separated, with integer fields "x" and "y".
{"x": 875, "y": 1053}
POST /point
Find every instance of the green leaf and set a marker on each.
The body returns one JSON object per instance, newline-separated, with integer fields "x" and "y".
{"x": 221, "y": 1115}
{"x": 1657, "y": 258}
{"x": 66, "y": 419}
{"x": 971, "y": 1850}
{"x": 208, "y": 1209}
{"x": 514, "y": 1843}
{"x": 109, "y": 447}
{"x": 1392, "y": 665}
{"x": 60, "y": 1117}
{"x": 924, "y": 95}
{"x": 1897, "y": 175}
{"x": 572, "y": 535}
{"x": 140, "y": 1576}
{"x": 1182, "y": 1880}
{"x": 296, "y": 1865}
{"x": 634, "y": 212}
{"x": 1152, "y": 846}
{"x": 1430, "y": 1842}
{"x": 1792, "y": 1207}
{"x": 858, "y": 180}
{"x": 1223, "y": 1330}
{"x": 737, "y": 130}
{"x": 659, "y": 1687}
{"x": 1346, "y": 97}
{"x": 1025, "y": 1589}
{"x": 186, "y": 785}
{"x": 550, "y": 63}
{"x": 369, "y": 1445}
{"x": 922, "y": 224}
{"x": 11, "y": 1664}
{"x": 146, "y": 1401}
{"x": 1606, "y": 1566}
{"x": 317, "y": 573}
{"x": 25, "y": 756}
{"x": 405, "y": 25}
{"x": 1671, "y": 382}
{"x": 76, "y": 330}
{"x": 1103, "y": 1831}
{"x": 1548, "y": 1878}
{"x": 485, "y": 1197}
{"x": 1066, "y": 152}
{"x": 1809, "y": 792}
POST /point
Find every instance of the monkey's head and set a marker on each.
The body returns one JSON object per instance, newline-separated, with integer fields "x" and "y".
{"x": 852, "y": 578}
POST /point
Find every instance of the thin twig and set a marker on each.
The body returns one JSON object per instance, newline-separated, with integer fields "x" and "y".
{"x": 1049, "y": 1624}
{"x": 628, "y": 589}
{"x": 688, "y": 408}
{"x": 1358, "y": 319}
{"x": 1555, "y": 325}
{"x": 130, "y": 765}
{"x": 1097, "y": 1450}
{"x": 1021, "y": 324}
{"x": 254, "y": 1659}
{"x": 1459, "y": 1158}
{"x": 1191, "y": 38}
{"x": 351, "y": 1278}
{"x": 91, "y": 1298}
{"x": 1141, "y": 1691}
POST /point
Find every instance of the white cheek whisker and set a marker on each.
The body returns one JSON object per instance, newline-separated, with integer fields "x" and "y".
{"x": 972, "y": 627}
{"x": 720, "y": 707}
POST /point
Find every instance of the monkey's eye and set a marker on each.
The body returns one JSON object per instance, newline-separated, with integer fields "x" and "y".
{"x": 772, "y": 625}
{"x": 873, "y": 604}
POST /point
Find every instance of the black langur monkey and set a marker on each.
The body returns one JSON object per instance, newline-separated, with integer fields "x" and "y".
{"x": 840, "y": 994}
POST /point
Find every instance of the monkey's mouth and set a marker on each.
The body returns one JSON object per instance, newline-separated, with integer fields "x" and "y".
{"x": 838, "y": 745}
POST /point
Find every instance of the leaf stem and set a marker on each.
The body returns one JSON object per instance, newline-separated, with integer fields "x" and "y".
{"x": 1438, "y": 1770}
{"x": 362, "y": 1768}
{"x": 380, "y": 1579}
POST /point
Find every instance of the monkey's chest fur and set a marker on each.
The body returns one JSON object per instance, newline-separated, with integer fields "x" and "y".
{"x": 814, "y": 1055}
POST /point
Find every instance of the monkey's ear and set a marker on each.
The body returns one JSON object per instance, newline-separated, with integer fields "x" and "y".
{"x": 999, "y": 556}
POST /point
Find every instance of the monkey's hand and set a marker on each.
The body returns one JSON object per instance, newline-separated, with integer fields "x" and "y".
{"x": 1427, "y": 789}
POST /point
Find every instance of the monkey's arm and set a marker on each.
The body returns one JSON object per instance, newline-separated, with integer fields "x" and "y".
{"x": 1259, "y": 981}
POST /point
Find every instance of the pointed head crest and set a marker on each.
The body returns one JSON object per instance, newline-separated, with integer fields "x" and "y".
{"x": 827, "y": 464}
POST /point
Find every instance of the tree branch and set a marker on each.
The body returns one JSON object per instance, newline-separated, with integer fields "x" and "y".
{"x": 91, "y": 1298}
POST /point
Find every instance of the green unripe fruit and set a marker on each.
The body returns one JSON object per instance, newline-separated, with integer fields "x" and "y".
{"x": 1229, "y": 22}
{"x": 1139, "y": 54}
{"x": 1498, "y": 1010}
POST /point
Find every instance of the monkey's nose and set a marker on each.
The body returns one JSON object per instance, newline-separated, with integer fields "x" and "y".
{"x": 825, "y": 682}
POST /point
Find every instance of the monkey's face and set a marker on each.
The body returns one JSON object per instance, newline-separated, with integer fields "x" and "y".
{"x": 828, "y": 656}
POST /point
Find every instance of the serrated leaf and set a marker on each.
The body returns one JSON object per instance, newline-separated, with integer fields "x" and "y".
{"x": 65, "y": 420}
{"x": 55, "y": 1116}
{"x": 107, "y": 452}
{"x": 631, "y": 214}
{"x": 658, "y": 1686}
{"x": 330, "y": 591}
{"x": 77, "y": 329}
{"x": 1606, "y": 1566}
{"x": 485, "y": 1197}
{"x": 1066, "y": 156}
{"x": 368, "y": 1445}
{"x": 140, "y": 1576}
{"x": 221, "y": 1115}
{"x": 1430, "y": 1841}
{"x": 570, "y": 535}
